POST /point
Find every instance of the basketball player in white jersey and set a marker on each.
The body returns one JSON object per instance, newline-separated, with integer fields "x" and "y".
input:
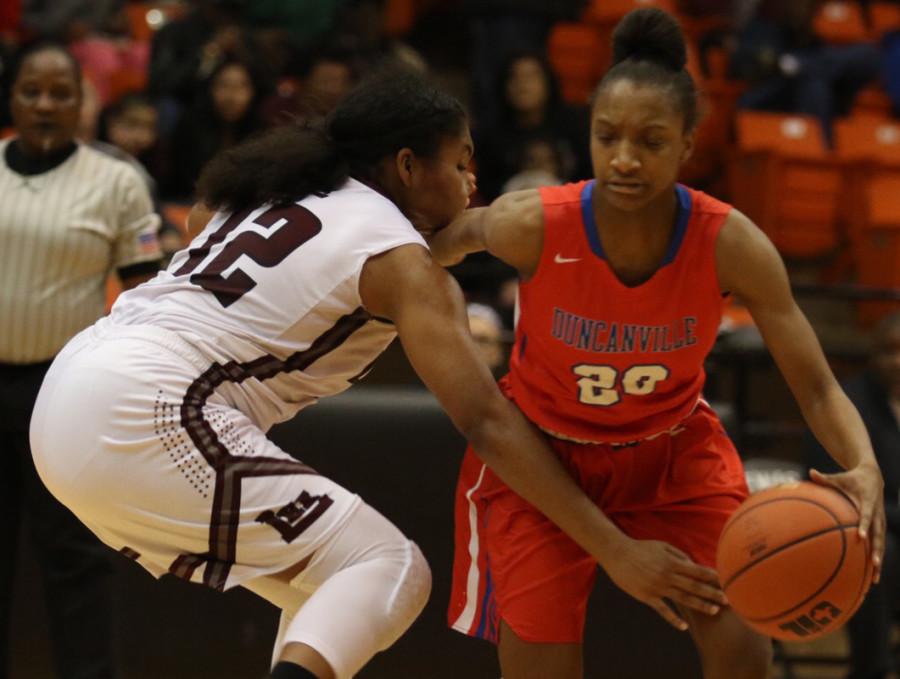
{"x": 151, "y": 424}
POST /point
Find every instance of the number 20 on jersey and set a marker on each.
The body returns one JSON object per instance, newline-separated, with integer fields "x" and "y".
{"x": 598, "y": 385}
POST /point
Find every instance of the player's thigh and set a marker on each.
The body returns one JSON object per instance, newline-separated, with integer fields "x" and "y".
{"x": 520, "y": 659}
{"x": 541, "y": 578}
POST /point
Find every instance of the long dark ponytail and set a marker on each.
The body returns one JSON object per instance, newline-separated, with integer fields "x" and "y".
{"x": 390, "y": 111}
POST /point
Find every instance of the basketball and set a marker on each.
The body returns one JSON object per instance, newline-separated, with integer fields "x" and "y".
{"x": 791, "y": 562}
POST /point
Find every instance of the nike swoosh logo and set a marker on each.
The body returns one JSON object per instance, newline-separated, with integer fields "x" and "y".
{"x": 559, "y": 259}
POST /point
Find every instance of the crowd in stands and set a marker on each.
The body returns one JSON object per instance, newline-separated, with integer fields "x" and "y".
{"x": 169, "y": 83}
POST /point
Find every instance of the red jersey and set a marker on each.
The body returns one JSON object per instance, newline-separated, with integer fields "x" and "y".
{"x": 598, "y": 361}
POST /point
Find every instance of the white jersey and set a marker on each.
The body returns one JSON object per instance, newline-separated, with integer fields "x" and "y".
{"x": 271, "y": 296}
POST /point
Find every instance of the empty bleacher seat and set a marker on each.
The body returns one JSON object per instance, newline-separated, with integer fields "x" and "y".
{"x": 783, "y": 177}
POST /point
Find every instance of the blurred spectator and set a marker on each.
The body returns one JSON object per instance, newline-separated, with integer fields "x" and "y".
{"x": 530, "y": 109}
{"x": 360, "y": 29}
{"x": 227, "y": 110}
{"x": 129, "y": 130}
{"x": 108, "y": 56}
{"x": 539, "y": 165}
{"x": 301, "y": 22}
{"x": 69, "y": 216}
{"x": 487, "y": 331}
{"x": 323, "y": 79}
{"x": 789, "y": 69}
{"x": 70, "y": 20}
{"x": 131, "y": 123}
{"x": 500, "y": 28}
{"x": 876, "y": 393}
{"x": 185, "y": 52}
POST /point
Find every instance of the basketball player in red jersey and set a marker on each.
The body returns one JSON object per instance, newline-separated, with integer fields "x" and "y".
{"x": 620, "y": 300}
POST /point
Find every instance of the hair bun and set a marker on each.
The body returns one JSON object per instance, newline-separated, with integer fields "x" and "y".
{"x": 650, "y": 34}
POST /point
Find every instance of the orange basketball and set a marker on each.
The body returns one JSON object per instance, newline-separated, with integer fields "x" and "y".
{"x": 791, "y": 562}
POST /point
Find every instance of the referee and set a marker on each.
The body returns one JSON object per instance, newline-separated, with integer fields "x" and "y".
{"x": 69, "y": 215}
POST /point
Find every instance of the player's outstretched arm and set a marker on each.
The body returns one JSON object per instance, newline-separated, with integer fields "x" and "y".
{"x": 511, "y": 228}
{"x": 750, "y": 267}
{"x": 427, "y": 306}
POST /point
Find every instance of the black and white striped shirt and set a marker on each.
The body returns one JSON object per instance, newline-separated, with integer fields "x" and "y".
{"x": 61, "y": 233}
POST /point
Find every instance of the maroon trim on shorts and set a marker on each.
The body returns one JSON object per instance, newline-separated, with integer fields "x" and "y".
{"x": 231, "y": 469}
{"x": 129, "y": 553}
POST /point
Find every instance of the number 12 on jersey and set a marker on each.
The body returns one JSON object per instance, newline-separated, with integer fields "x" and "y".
{"x": 598, "y": 384}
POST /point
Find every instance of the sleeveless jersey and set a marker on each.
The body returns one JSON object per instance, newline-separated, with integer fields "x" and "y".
{"x": 598, "y": 361}
{"x": 272, "y": 294}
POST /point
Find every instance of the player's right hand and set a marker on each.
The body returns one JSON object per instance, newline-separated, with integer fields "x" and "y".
{"x": 653, "y": 571}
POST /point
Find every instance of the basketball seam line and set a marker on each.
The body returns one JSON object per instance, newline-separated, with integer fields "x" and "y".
{"x": 781, "y": 548}
{"x": 827, "y": 582}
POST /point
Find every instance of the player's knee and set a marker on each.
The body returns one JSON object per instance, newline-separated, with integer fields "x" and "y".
{"x": 410, "y": 594}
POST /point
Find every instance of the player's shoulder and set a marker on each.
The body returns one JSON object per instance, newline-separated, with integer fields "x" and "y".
{"x": 704, "y": 204}
{"x": 564, "y": 194}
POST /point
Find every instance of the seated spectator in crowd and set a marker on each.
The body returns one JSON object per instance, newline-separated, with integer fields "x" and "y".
{"x": 70, "y": 20}
{"x": 129, "y": 129}
{"x": 131, "y": 123}
{"x": 876, "y": 393}
{"x": 361, "y": 29}
{"x": 185, "y": 52}
{"x": 323, "y": 78}
{"x": 226, "y": 111}
{"x": 530, "y": 108}
{"x": 109, "y": 53}
{"x": 499, "y": 28}
{"x": 539, "y": 165}
{"x": 789, "y": 69}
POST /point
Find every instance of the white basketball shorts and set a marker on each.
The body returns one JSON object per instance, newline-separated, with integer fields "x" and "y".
{"x": 129, "y": 433}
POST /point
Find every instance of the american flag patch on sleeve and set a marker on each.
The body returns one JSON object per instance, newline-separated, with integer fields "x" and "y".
{"x": 148, "y": 243}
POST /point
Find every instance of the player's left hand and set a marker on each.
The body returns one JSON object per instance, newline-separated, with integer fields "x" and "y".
{"x": 865, "y": 487}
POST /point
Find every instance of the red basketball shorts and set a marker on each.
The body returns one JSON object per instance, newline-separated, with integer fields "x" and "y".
{"x": 512, "y": 563}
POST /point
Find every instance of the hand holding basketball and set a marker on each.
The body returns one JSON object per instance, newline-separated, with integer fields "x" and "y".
{"x": 652, "y": 571}
{"x": 864, "y": 486}
{"x": 793, "y": 562}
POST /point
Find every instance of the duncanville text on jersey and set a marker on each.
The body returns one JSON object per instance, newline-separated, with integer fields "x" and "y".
{"x": 613, "y": 337}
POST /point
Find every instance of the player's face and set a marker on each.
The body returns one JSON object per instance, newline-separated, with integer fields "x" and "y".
{"x": 45, "y": 102}
{"x": 638, "y": 143}
{"x": 442, "y": 188}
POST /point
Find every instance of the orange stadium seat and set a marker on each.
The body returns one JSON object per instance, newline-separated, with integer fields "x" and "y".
{"x": 399, "y": 16}
{"x": 840, "y": 22}
{"x": 873, "y": 101}
{"x": 798, "y": 136}
{"x": 125, "y": 80}
{"x": 782, "y": 176}
{"x": 870, "y": 150}
{"x": 884, "y": 17}
{"x": 610, "y": 11}
{"x": 579, "y": 56}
